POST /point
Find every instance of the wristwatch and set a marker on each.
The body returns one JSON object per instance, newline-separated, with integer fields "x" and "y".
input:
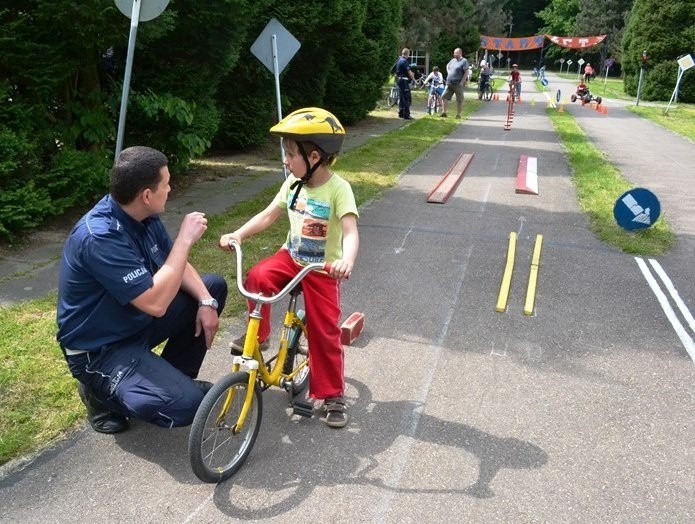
{"x": 210, "y": 302}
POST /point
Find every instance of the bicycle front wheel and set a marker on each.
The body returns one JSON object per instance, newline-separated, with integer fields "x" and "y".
{"x": 216, "y": 448}
{"x": 487, "y": 92}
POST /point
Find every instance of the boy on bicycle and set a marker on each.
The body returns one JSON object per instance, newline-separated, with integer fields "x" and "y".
{"x": 435, "y": 81}
{"x": 515, "y": 81}
{"x": 484, "y": 78}
{"x": 323, "y": 228}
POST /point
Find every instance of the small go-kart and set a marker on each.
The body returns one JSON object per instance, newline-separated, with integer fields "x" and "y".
{"x": 584, "y": 95}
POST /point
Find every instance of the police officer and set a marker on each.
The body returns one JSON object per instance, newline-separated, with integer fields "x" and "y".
{"x": 124, "y": 287}
{"x": 404, "y": 75}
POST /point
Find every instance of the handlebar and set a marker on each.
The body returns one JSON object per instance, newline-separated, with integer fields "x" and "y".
{"x": 258, "y": 297}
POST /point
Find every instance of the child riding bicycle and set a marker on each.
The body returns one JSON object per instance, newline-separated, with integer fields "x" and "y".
{"x": 484, "y": 78}
{"x": 323, "y": 228}
{"x": 515, "y": 81}
{"x": 435, "y": 82}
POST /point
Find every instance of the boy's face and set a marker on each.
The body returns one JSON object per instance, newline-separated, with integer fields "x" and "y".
{"x": 294, "y": 159}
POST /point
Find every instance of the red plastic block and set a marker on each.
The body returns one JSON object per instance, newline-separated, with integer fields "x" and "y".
{"x": 351, "y": 328}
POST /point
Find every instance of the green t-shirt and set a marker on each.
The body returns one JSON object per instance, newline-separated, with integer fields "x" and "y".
{"x": 315, "y": 232}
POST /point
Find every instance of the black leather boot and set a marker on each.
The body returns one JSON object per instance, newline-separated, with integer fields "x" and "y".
{"x": 100, "y": 418}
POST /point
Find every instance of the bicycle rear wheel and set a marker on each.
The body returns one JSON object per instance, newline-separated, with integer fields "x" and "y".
{"x": 215, "y": 450}
{"x": 392, "y": 97}
{"x": 297, "y": 352}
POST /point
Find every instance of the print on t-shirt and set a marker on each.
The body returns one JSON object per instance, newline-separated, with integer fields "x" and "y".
{"x": 309, "y": 229}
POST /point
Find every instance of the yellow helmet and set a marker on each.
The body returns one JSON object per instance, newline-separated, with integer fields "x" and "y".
{"x": 312, "y": 124}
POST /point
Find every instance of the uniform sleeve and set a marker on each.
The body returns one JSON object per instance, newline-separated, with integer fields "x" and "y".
{"x": 116, "y": 265}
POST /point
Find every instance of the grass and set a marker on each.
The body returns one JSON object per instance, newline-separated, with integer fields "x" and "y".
{"x": 38, "y": 398}
{"x": 599, "y": 184}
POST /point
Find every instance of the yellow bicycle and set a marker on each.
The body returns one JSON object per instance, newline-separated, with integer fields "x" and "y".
{"x": 228, "y": 419}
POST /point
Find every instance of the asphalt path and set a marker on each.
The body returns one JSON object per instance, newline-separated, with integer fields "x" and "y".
{"x": 581, "y": 412}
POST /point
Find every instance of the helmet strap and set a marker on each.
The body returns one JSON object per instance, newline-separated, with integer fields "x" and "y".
{"x": 309, "y": 172}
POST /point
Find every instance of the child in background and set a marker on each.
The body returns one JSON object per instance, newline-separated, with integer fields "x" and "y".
{"x": 323, "y": 228}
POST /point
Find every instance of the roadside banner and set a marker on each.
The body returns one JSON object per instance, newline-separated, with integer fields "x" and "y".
{"x": 534, "y": 42}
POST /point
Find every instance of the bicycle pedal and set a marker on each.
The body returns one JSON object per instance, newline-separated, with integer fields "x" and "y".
{"x": 303, "y": 408}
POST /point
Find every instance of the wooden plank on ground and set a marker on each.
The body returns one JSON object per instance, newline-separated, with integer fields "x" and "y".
{"x": 448, "y": 183}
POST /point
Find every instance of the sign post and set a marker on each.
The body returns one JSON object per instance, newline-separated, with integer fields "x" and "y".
{"x": 562, "y": 64}
{"x": 685, "y": 62}
{"x": 275, "y": 47}
{"x": 608, "y": 63}
{"x": 643, "y": 66}
{"x": 136, "y": 10}
{"x": 580, "y": 63}
{"x": 569, "y": 63}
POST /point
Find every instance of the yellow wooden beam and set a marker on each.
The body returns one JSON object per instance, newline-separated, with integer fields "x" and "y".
{"x": 533, "y": 276}
{"x": 507, "y": 277}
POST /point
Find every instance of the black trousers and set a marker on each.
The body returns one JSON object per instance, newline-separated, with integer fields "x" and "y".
{"x": 135, "y": 382}
{"x": 405, "y": 98}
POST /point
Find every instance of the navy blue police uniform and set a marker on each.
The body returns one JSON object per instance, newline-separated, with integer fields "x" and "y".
{"x": 403, "y": 76}
{"x": 108, "y": 260}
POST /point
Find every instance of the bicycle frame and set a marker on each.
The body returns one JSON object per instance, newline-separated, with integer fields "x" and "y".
{"x": 251, "y": 358}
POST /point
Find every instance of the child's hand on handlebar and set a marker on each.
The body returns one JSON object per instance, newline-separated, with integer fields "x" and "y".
{"x": 340, "y": 269}
{"x": 225, "y": 241}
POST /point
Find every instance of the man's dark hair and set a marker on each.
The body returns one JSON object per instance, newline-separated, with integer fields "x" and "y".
{"x": 136, "y": 169}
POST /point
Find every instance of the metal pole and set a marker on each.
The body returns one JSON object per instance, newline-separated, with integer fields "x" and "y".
{"x": 639, "y": 85}
{"x": 278, "y": 101}
{"x": 674, "y": 96}
{"x": 134, "y": 19}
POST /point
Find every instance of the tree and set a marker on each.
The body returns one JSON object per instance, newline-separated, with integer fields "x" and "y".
{"x": 666, "y": 31}
{"x": 439, "y": 26}
{"x": 599, "y": 17}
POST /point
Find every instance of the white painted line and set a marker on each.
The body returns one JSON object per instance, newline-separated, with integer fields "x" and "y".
{"x": 403, "y": 446}
{"x": 687, "y": 341}
{"x": 674, "y": 293}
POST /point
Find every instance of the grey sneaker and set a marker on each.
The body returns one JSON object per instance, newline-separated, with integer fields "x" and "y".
{"x": 336, "y": 412}
{"x": 237, "y": 345}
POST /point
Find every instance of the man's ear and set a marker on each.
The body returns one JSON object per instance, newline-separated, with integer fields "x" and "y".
{"x": 145, "y": 196}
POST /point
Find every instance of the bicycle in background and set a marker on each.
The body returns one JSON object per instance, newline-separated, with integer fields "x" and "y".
{"x": 393, "y": 96}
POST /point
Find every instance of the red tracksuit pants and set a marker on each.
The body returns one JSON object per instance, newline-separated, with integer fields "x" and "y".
{"x": 322, "y": 305}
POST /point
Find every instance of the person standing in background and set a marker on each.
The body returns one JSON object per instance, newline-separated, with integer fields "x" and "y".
{"x": 404, "y": 75}
{"x": 456, "y": 75}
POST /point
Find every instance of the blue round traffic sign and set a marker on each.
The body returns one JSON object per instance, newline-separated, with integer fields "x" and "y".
{"x": 544, "y": 82}
{"x": 557, "y": 95}
{"x": 638, "y": 208}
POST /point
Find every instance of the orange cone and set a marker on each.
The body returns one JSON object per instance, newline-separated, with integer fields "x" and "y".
{"x": 560, "y": 109}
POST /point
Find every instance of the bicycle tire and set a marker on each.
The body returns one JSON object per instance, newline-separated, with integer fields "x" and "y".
{"x": 437, "y": 104}
{"x": 208, "y": 437}
{"x": 487, "y": 92}
{"x": 297, "y": 352}
{"x": 392, "y": 97}
{"x": 431, "y": 104}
